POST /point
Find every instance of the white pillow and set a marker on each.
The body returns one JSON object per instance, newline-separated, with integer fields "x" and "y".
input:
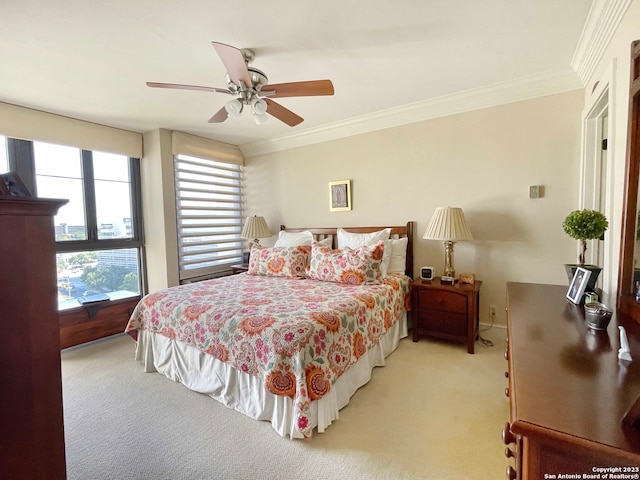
{"x": 355, "y": 240}
{"x": 398, "y": 260}
{"x": 297, "y": 239}
{"x": 293, "y": 239}
{"x": 326, "y": 242}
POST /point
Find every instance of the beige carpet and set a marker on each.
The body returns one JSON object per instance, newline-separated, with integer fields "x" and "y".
{"x": 433, "y": 412}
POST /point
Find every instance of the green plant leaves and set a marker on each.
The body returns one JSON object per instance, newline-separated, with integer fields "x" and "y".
{"x": 585, "y": 224}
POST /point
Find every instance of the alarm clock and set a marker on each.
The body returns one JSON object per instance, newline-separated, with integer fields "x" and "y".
{"x": 426, "y": 273}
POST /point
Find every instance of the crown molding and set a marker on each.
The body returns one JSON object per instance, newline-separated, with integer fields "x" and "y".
{"x": 516, "y": 90}
{"x": 602, "y": 21}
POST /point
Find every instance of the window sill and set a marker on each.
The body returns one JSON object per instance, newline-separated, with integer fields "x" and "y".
{"x": 74, "y": 303}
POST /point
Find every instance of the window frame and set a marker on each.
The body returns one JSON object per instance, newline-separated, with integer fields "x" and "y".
{"x": 21, "y": 158}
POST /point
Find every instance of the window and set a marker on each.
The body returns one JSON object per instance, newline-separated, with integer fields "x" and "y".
{"x": 98, "y": 232}
{"x": 210, "y": 215}
{"x": 59, "y": 174}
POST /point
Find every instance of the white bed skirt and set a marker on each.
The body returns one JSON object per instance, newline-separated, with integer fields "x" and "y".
{"x": 245, "y": 393}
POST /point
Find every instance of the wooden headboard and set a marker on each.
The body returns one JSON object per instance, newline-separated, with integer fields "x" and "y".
{"x": 396, "y": 232}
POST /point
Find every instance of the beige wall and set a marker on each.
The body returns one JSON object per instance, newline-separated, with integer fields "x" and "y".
{"x": 159, "y": 211}
{"x": 482, "y": 161}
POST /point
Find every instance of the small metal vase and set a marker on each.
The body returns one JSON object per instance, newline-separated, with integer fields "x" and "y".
{"x": 597, "y": 315}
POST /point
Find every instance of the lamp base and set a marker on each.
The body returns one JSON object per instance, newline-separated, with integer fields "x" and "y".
{"x": 447, "y": 279}
{"x": 449, "y": 271}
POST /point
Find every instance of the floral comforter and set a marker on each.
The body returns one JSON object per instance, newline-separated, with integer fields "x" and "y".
{"x": 299, "y": 335}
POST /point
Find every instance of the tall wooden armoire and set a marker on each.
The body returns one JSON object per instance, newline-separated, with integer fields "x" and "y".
{"x": 31, "y": 417}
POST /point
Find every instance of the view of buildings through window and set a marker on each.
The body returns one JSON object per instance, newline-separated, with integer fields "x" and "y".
{"x": 97, "y": 244}
{"x": 88, "y": 273}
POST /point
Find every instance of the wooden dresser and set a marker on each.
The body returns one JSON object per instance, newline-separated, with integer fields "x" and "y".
{"x": 567, "y": 390}
{"x": 31, "y": 416}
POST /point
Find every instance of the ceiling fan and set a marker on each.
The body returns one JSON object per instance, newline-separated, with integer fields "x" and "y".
{"x": 251, "y": 88}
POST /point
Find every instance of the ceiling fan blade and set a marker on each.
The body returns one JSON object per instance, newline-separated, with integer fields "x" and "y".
{"x": 233, "y": 61}
{"x": 283, "y": 114}
{"x": 298, "y": 89}
{"x": 220, "y": 116}
{"x": 188, "y": 87}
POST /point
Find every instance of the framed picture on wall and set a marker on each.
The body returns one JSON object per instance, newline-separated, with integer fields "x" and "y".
{"x": 340, "y": 195}
{"x": 578, "y": 285}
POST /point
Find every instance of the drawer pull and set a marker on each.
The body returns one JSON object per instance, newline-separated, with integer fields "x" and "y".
{"x": 506, "y": 354}
{"x": 506, "y": 392}
{"x": 509, "y": 453}
{"x": 511, "y": 473}
{"x": 506, "y": 374}
{"x": 507, "y": 436}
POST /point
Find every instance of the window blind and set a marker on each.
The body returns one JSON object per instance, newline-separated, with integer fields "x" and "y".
{"x": 186, "y": 144}
{"x": 209, "y": 207}
{"x": 28, "y": 124}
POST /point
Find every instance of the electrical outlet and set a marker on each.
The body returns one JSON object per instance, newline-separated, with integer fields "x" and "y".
{"x": 492, "y": 310}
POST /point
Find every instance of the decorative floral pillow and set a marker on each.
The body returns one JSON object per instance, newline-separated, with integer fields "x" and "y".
{"x": 355, "y": 240}
{"x": 355, "y": 267}
{"x": 279, "y": 261}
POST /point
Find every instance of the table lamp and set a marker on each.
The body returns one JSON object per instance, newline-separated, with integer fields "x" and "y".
{"x": 449, "y": 226}
{"x": 255, "y": 228}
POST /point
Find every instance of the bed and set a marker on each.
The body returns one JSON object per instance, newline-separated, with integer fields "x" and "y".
{"x": 291, "y": 340}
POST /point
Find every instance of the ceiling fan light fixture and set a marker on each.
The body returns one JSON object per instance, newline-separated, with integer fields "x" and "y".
{"x": 260, "y": 118}
{"x": 259, "y": 106}
{"x": 234, "y": 108}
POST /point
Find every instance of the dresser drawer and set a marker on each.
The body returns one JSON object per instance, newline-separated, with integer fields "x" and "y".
{"x": 443, "y": 322}
{"x": 445, "y": 311}
{"x": 443, "y": 301}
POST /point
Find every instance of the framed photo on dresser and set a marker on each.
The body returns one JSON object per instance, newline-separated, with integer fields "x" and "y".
{"x": 578, "y": 285}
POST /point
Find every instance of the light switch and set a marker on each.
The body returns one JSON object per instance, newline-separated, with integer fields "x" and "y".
{"x": 536, "y": 191}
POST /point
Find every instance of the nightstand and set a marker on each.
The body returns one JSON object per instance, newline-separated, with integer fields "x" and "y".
{"x": 242, "y": 267}
{"x": 445, "y": 311}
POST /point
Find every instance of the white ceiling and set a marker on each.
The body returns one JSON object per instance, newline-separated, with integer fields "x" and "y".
{"x": 90, "y": 59}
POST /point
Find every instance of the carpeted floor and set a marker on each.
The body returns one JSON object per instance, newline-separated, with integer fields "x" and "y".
{"x": 433, "y": 412}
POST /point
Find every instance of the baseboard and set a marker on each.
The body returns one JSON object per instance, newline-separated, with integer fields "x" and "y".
{"x": 492, "y": 325}
{"x": 94, "y": 342}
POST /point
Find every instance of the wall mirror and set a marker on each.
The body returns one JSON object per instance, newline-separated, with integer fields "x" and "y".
{"x": 629, "y": 272}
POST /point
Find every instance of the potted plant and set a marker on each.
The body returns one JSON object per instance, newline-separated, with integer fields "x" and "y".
{"x": 585, "y": 225}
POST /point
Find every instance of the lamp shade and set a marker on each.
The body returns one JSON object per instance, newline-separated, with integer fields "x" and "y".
{"x": 255, "y": 227}
{"x": 448, "y": 224}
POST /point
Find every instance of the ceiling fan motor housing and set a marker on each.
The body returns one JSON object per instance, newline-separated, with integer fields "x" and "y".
{"x": 258, "y": 79}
